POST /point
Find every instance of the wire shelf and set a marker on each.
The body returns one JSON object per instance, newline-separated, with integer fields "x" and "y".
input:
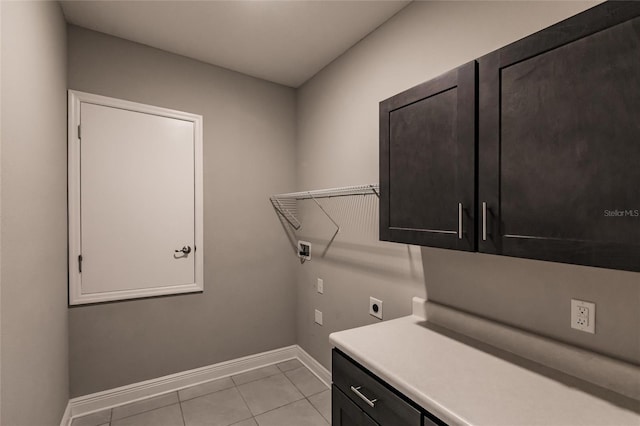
{"x": 285, "y": 204}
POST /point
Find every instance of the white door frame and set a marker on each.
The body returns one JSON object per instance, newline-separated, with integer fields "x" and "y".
{"x": 76, "y": 296}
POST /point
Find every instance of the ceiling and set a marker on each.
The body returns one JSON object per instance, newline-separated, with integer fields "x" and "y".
{"x": 286, "y": 42}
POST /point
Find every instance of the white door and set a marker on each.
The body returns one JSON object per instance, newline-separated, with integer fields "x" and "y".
{"x": 137, "y": 202}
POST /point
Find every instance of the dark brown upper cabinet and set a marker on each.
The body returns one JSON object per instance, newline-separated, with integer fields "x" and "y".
{"x": 559, "y": 142}
{"x": 556, "y": 172}
{"x": 427, "y": 163}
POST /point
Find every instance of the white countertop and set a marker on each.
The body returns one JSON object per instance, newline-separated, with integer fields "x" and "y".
{"x": 462, "y": 384}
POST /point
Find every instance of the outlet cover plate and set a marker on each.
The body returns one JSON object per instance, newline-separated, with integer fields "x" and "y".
{"x": 320, "y": 286}
{"x": 318, "y": 317}
{"x": 375, "y": 307}
{"x": 583, "y": 316}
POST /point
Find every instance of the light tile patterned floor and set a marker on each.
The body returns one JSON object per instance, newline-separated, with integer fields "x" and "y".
{"x": 284, "y": 394}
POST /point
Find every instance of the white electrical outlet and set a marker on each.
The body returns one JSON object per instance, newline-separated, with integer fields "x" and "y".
{"x": 320, "y": 286}
{"x": 375, "y": 307}
{"x": 318, "y": 317}
{"x": 583, "y": 316}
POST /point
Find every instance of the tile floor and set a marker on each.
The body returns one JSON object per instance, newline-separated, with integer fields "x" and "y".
{"x": 284, "y": 394}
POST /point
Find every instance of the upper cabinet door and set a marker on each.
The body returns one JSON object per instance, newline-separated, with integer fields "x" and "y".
{"x": 559, "y": 138}
{"x": 427, "y": 163}
{"x": 135, "y": 200}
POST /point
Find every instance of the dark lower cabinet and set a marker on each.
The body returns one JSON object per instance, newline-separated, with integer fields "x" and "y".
{"x": 361, "y": 398}
{"x": 427, "y": 163}
{"x": 559, "y": 142}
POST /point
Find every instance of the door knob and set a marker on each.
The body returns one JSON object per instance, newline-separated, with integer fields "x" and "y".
{"x": 184, "y": 250}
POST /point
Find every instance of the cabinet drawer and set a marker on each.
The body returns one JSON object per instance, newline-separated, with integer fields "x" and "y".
{"x": 344, "y": 412}
{"x": 374, "y": 398}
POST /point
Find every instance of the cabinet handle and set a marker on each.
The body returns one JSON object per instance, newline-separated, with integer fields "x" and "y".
{"x": 459, "y": 221}
{"x": 484, "y": 221}
{"x": 370, "y": 402}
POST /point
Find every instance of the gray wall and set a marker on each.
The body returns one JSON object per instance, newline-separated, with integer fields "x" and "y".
{"x": 33, "y": 224}
{"x": 248, "y": 299}
{"x": 337, "y": 139}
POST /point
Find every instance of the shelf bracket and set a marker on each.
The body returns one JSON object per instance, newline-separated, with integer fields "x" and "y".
{"x": 374, "y": 189}
{"x": 325, "y": 212}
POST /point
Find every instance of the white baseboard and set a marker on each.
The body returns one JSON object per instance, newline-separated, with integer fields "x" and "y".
{"x": 87, "y": 404}
{"x": 66, "y": 417}
{"x": 312, "y": 364}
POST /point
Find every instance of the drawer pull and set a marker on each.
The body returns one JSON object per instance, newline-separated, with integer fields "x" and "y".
{"x": 370, "y": 402}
